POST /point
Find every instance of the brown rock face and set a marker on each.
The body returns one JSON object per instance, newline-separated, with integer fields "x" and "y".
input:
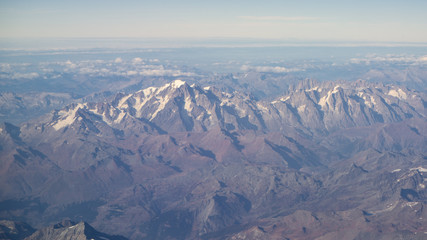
{"x": 70, "y": 230}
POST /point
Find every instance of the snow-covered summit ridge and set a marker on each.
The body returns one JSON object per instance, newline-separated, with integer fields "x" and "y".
{"x": 145, "y": 103}
{"x": 325, "y": 105}
{"x": 178, "y": 83}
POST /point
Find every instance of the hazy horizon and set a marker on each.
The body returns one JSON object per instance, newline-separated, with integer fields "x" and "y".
{"x": 146, "y": 43}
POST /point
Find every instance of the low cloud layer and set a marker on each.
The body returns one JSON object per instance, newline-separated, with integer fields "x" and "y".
{"x": 94, "y": 68}
{"x": 273, "y": 69}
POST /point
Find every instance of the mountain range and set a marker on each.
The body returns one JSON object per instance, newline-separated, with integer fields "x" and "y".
{"x": 330, "y": 160}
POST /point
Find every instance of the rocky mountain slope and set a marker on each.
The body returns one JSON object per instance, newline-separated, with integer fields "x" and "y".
{"x": 14, "y": 230}
{"x": 71, "y": 230}
{"x": 66, "y": 229}
{"x": 185, "y": 162}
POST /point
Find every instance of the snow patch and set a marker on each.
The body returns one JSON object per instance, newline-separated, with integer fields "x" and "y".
{"x": 111, "y": 112}
{"x": 188, "y": 104}
{"x": 161, "y": 89}
{"x": 399, "y": 93}
{"x": 262, "y": 107}
{"x": 67, "y": 117}
{"x": 369, "y": 101}
{"x": 139, "y": 104}
{"x": 162, "y": 104}
{"x": 410, "y": 204}
{"x": 323, "y": 100}
{"x": 123, "y": 100}
{"x": 373, "y": 100}
{"x": 120, "y": 117}
{"x": 283, "y": 99}
{"x": 393, "y": 93}
{"x": 396, "y": 170}
{"x": 336, "y": 89}
{"x": 420, "y": 169}
{"x": 314, "y": 89}
{"x": 177, "y": 83}
{"x": 302, "y": 108}
{"x": 149, "y": 91}
{"x": 224, "y": 102}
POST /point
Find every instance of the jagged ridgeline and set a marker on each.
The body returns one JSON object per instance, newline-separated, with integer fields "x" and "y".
{"x": 60, "y": 231}
{"x": 188, "y": 162}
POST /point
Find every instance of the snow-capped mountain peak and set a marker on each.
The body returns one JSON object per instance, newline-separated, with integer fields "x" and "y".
{"x": 326, "y": 106}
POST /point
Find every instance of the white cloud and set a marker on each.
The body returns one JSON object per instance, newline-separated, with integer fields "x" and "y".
{"x": 25, "y": 75}
{"x": 186, "y": 74}
{"x": 273, "y": 69}
{"x": 136, "y": 67}
{"x": 5, "y": 67}
{"x": 389, "y": 58}
{"x": 131, "y": 73}
{"x": 137, "y": 60}
{"x": 153, "y": 66}
{"x": 87, "y": 70}
{"x": 104, "y": 70}
{"x": 47, "y": 70}
{"x": 70, "y": 64}
{"x": 423, "y": 59}
{"x": 165, "y": 72}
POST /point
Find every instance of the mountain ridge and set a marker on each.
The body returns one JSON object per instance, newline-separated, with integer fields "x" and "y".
{"x": 185, "y": 162}
{"x": 202, "y": 108}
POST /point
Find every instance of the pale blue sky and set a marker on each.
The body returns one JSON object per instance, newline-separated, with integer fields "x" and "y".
{"x": 313, "y": 20}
